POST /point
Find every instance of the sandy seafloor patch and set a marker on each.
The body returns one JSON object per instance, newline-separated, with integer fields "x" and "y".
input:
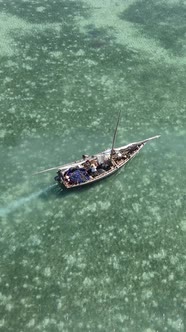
{"x": 110, "y": 257}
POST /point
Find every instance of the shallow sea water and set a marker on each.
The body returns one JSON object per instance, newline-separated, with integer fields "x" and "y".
{"x": 110, "y": 257}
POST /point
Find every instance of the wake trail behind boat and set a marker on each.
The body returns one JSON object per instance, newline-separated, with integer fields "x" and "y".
{"x": 21, "y": 201}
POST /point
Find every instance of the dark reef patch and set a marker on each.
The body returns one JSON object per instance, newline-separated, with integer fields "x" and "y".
{"x": 159, "y": 20}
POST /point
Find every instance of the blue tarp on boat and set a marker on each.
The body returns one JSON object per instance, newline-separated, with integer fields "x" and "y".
{"x": 78, "y": 175}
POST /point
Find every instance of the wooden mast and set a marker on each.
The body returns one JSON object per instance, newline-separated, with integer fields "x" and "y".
{"x": 114, "y": 137}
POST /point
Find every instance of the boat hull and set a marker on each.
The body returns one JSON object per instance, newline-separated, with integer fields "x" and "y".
{"x": 117, "y": 164}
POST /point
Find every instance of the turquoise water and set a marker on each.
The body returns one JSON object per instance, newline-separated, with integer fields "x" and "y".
{"x": 110, "y": 257}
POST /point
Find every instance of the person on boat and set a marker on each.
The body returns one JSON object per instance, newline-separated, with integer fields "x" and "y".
{"x": 86, "y": 165}
{"x": 59, "y": 176}
{"x": 67, "y": 178}
{"x": 93, "y": 169}
{"x": 85, "y": 156}
{"x": 119, "y": 156}
{"x": 107, "y": 164}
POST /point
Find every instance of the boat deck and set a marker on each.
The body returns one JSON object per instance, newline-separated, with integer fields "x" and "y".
{"x": 116, "y": 165}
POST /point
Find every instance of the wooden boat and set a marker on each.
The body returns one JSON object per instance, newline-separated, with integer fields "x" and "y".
{"x": 97, "y": 167}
